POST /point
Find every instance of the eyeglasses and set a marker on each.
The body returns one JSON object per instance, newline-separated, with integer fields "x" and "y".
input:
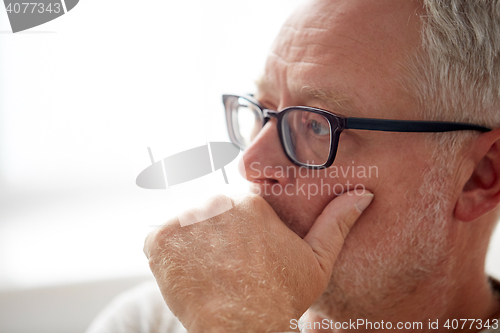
{"x": 310, "y": 136}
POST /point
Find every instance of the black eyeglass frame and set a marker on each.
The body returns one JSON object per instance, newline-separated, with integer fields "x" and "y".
{"x": 338, "y": 123}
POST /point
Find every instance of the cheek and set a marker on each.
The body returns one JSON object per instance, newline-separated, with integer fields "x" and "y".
{"x": 314, "y": 189}
{"x": 392, "y": 214}
{"x": 348, "y": 176}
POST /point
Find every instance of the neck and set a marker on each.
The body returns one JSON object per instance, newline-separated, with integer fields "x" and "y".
{"x": 474, "y": 299}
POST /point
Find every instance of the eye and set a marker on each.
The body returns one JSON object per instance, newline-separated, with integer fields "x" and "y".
{"x": 319, "y": 128}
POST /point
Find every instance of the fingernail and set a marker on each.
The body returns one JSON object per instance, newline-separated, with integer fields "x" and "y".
{"x": 364, "y": 201}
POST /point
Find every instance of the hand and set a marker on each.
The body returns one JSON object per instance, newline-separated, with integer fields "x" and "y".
{"x": 245, "y": 270}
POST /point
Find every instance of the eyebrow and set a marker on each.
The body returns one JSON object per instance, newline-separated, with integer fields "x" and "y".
{"x": 331, "y": 97}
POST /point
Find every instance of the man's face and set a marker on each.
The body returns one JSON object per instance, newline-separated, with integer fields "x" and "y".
{"x": 349, "y": 57}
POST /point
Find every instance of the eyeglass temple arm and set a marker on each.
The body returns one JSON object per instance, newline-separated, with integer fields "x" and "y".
{"x": 409, "y": 125}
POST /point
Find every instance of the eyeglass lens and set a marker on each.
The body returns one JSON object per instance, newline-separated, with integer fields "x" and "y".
{"x": 306, "y": 135}
{"x": 247, "y": 121}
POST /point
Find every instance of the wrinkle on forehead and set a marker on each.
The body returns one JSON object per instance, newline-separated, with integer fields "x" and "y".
{"x": 303, "y": 29}
{"x": 337, "y": 99}
{"x": 374, "y": 28}
{"x": 343, "y": 51}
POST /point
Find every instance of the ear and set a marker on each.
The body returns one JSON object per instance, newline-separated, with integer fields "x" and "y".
{"x": 481, "y": 192}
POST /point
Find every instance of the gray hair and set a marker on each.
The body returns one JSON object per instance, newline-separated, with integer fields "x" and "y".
{"x": 456, "y": 74}
{"x": 459, "y": 77}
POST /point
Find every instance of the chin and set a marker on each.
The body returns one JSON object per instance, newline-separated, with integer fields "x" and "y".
{"x": 377, "y": 272}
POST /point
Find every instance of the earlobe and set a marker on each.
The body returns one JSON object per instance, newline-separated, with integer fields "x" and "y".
{"x": 481, "y": 192}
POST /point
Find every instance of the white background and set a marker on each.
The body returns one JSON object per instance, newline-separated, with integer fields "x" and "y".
{"x": 82, "y": 97}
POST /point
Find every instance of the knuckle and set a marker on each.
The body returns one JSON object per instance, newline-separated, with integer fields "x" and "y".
{"x": 343, "y": 227}
{"x": 218, "y": 199}
{"x": 216, "y": 206}
{"x": 257, "y": 203}
{"x": 345, "y": 223}
{"x": 254, "y": 200}
{"x": 209, "y": 212}
{"x": 155, "y": 241}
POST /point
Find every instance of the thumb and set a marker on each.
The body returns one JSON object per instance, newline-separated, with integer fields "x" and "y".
{"x": 327, "y": 235}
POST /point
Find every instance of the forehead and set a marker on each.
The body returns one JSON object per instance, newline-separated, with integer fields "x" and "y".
{"x": 353, "y": 51}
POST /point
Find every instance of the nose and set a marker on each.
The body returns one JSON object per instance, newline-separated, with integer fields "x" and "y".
{"x": 264, "y": 160}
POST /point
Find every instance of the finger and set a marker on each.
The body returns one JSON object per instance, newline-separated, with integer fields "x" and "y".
{"x": 327, "y": 235}
{"x": 150, "y": 242}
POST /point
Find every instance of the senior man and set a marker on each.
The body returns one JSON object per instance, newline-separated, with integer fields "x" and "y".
{"x": 415, "y": 254}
